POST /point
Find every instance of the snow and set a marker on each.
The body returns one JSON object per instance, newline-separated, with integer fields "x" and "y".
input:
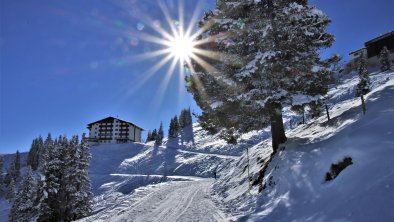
{"x": 173, "y": 201}
{"x": 362, "y": 192}
{"x": 173, "y": 182}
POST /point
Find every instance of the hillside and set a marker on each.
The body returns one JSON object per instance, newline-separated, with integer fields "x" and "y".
{"x": 174, "y": 182}
{"x": 297, "y": 192}
{"x": 295, "y": 180}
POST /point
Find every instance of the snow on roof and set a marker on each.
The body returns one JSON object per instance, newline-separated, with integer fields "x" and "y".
{"x": 110, "y": 117}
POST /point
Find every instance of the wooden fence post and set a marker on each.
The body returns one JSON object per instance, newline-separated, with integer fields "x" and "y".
{"x": 363, "y": 104}
{"x": 328, "y": 114}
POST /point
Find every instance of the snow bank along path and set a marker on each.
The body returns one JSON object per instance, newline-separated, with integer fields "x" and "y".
{"x": 171, "y": 201}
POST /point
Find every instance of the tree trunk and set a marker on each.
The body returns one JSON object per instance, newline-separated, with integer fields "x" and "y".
{"x": 277, "y": 128}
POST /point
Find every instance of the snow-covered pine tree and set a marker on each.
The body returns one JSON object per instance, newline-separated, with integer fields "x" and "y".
{"x": 264, "y": 55}
{"x": 363, "y": 86}
{"x": 38, "y": 195}
{"x": 10, "y": 193}
{"x": 82, "y": 206}
{"x": 149, "y": 137}
{"x": 23, "y": 207}
{"x": 385, "y": 62}
{"x": 35, "y": 153}
{"x": 51, "y": 207}
{"x": 160, "y": 135}
{"x": 68, "y": 182}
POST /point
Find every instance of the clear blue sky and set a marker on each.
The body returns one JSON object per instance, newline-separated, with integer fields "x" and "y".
{"x": 64, "y": 64}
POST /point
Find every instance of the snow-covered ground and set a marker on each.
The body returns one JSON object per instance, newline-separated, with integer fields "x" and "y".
{"x": 173, "y": 182}
{"x": 171, "y": 201}
{"x": 296, "y": 190}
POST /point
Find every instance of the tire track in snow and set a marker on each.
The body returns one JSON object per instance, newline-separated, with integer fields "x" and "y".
{"x": 173, "y": 201}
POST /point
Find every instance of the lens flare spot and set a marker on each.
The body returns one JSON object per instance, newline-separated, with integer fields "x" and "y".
{"x": 140, "y": 26}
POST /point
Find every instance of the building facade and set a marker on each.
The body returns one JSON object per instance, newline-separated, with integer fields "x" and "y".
{"x": 372, "y": 49}
{"x": 114, "y": 130}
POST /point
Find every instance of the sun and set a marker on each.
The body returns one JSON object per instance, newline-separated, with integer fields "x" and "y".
{"x": 179, "y": 44}
{"x": 182, "y": 47}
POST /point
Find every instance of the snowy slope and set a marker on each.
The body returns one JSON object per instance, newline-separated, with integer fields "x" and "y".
{"x": 123, "y": 174}
{"x": 362, "y": 192}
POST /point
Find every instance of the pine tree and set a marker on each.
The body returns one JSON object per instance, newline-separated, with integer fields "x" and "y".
{"x": 1, "y": 172}
{"x": 385, "y": 62}
{"x": 83, "y": 198}
{"x": 23, "y": 207}
{"x": 265, "y": 56}
{"x": 363, "y": 86}
{"x": 171, "y": 132}
{"x": 182, "y": 119}
{"x": 35, "y": 155}
{"x": 154, "y": 135}
{"x": 67, "y": 185}
{"x": 10, "y": 194}
{"x": 38, "y": 196}
{"x": 176, "y": 126}
{"x": 17, "y": 165}
{"x": 149, "y": 137}
{"x": 51, "y": 206}
{"x": 160, "y": 135}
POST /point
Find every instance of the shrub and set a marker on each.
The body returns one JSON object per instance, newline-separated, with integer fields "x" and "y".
{"x": 336, "y": 168}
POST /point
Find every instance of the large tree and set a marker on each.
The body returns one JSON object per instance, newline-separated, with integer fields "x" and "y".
{"x": 262, "y": 55}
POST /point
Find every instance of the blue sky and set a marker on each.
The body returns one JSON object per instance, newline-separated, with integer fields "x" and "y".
{"x": 64, "y": 64}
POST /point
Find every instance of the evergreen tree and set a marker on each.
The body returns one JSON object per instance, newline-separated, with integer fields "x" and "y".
{"x": 154, "y": 135}
{"x": 185, "y": 118}
{"x": 149, "y": 137}
{"x": 182, "y": 119}
{"x": 13, "y": 172}
{"x": 264, "y": 55}
{"x": 67, "y": 185}
{"x": 84, "y": 197}
{"x": 1, "y": 171}
{"x": 385, "y": 62}
{"x": 160, "y": 135}
{"x": 363, "y": 86}
{"x": 35, "y": 155}
{"x": 17, "y": 165}
{"x": 176, "y": 126}
{"x": 23, "y": 207}
{"x": 51, "y": 206}
{"x": 38, "y": 196}
{"x": 171, "y": 133}
{"x": 10, "y": 194}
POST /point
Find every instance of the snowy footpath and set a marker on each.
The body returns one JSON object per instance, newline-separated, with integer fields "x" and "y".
{"x": 170, "y": 201}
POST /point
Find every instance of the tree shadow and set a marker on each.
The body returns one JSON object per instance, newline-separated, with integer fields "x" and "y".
{"x": 187, "y": 135}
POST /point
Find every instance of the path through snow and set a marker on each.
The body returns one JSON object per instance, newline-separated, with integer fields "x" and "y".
{"x": 171, "y": 201}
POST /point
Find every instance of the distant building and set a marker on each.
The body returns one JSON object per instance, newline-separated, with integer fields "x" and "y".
{"x": 114, "y": 130}
{"x": 373, "y": 47}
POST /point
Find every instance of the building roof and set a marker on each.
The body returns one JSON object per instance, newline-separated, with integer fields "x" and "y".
{"x": 356, "y": 51}
{"x": 379, "y": 38}
{"x": 112, "y": 118}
